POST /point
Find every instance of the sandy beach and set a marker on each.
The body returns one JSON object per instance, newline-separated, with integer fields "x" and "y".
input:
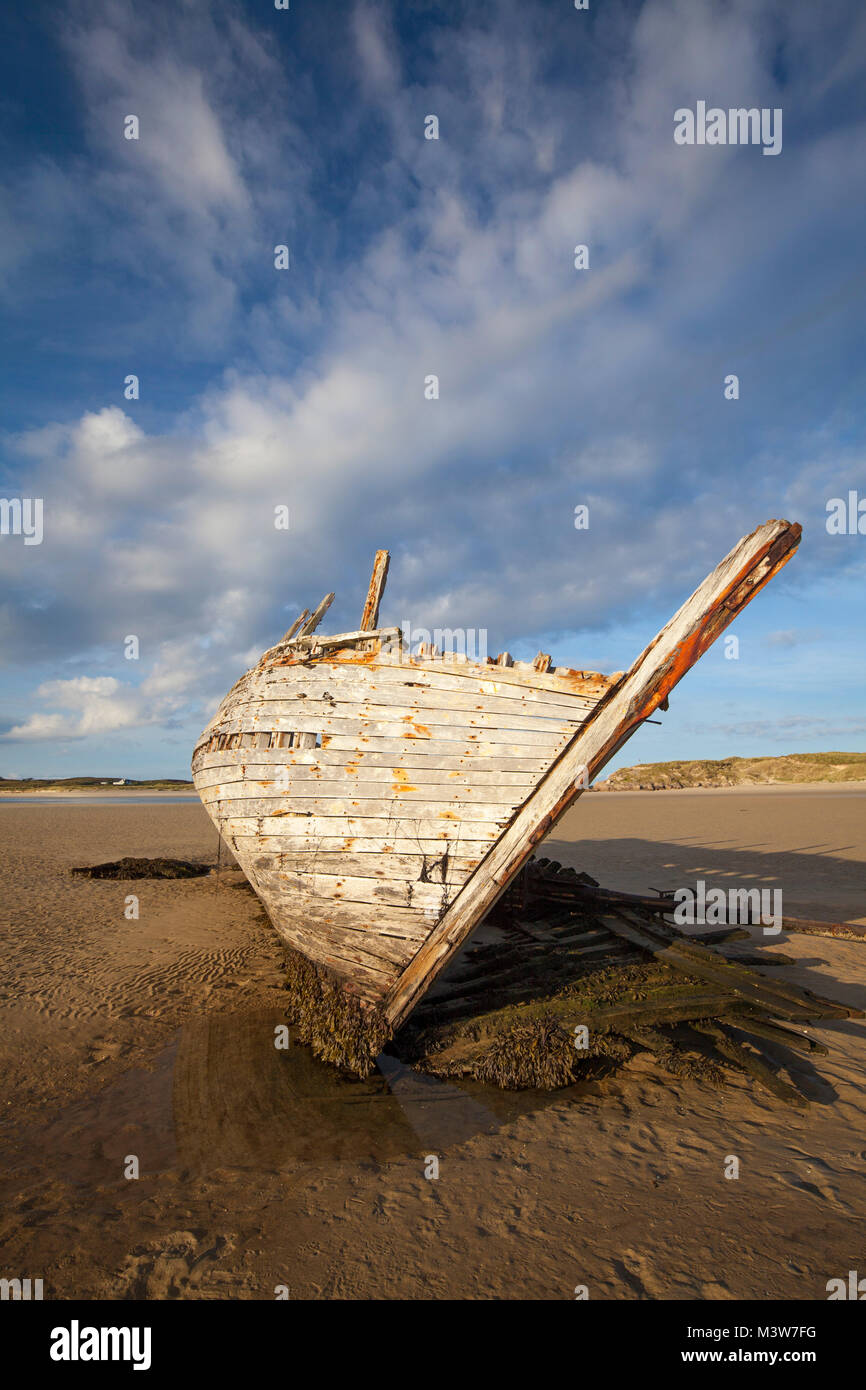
{"x": 153, "y": 1037}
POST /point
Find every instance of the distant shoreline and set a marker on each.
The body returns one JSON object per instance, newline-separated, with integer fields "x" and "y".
{"x": 62, "y": 793}
{"x": 133, "y": 794}
{"x": 830, "y": 788}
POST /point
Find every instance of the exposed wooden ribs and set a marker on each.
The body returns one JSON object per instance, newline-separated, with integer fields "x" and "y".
{"x": 623, "y": 975}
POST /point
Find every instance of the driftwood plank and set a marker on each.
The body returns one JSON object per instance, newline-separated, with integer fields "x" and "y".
{"x": 846, "y": 931}
{"x": 774, "y": 1032}
{"x": 698, "y": 953}
{"x": 749, "y": 1062}
{"x": 789, "y": 1001}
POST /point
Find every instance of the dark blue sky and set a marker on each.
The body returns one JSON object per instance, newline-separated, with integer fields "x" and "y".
{"x": 412, "y": 257}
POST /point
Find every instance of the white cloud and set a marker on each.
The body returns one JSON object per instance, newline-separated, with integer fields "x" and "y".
{"x": 375, "y": 49}
{"x": 557, "y": 387}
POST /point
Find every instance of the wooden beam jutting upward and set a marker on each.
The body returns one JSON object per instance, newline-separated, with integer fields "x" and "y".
{"x": 312, "y": 623}
{"x": 370, "y": 616}
{"x": 298, "y": 623}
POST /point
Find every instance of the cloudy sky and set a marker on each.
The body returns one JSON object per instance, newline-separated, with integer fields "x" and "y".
{"x": 409, "y": 257}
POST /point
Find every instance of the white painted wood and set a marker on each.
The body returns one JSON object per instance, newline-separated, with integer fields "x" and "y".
{"x": 396, "y": 732}
{"x": 359, "y": 827}
{"x": 373, "y": 864}
{"x": 521, "y": 674}
{"x": 417, "y": 689}
{"x": 295, "y": 773}
{"x": 412, "y": 758}
{"x": 232, "y": 801}
{"x": 343, "y": 888}
{"x": 243, "y": 834}
{"x": 353, "y": 790}
{"x": 340, "y": 716}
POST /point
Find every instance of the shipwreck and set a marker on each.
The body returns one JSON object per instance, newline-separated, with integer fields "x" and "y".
{"x": 380, "y": 801}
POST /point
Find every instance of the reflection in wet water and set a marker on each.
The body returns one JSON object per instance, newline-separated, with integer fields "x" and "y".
{"x": 241, "y": 1102}
{"x": 440, "y": 1114}
{"x": 223, "y": 1096}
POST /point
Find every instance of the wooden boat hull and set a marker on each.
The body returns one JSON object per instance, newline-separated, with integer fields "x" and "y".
{"x": 358, "y": 793}
{"x": 379, "y": 802}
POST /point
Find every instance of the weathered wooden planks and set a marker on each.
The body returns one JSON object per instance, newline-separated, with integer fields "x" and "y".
{"x": 521, "y": 674}
{"x": 343, "y": 808}
{"x": 395, "y": 701}
{"x": 349, "y": 830}
{"x": 351, "y": 889}
{"x": 413, "y": 869}
{"x": 242, "y": 835}
{"x": 291, "y": 772}
{"x": 389, "y": 797}
{"x": 520, "y": 681}
{"x": 428, "y": 688}
{"x": 344, "y": 716}
{"x": 413, "y": 758}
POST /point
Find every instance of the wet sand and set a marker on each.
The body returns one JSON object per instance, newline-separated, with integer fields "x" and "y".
{"x": 154, "y": 1038}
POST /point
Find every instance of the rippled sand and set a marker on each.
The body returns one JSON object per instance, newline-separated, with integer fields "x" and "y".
{"x": 154, "y": 1038}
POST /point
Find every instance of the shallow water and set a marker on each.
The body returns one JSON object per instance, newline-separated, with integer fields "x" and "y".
{"x": 222, "y": 1096}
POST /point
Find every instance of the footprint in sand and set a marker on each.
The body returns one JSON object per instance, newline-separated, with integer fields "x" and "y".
{"x": 815, "y": 1187}
{"x": 173, "y": 1267}
{"x": 634, "y": 1270}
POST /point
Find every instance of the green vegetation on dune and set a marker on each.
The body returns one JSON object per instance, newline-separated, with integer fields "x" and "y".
{"x": 739, "y": 772}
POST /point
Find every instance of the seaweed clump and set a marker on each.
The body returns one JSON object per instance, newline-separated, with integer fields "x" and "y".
{"x": 143, "y": 868}
{"x": 330, "y": 1021}
{"x": 536, "y": 1055}
{"x": 542, "y": 1056}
